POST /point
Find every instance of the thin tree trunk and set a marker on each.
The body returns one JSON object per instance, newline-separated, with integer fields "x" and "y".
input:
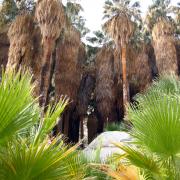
{"x": 45, "y": 72}
{"x": 82, "y": 127}
{"x": 66, "y": 123}
{"x": 125, "y": 79}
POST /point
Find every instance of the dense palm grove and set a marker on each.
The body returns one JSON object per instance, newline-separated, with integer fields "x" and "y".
{"x": 51, "y": 82}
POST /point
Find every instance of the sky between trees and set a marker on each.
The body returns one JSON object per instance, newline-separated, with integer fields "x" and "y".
{"x": 93, "y": 11}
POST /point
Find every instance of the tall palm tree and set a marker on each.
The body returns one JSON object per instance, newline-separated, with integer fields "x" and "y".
{"x": 25, "y": 47}
{"x": 105, "y": 88}
{"x": 50, "y": 17}
{"x": 158, "y": 9}
{"x": 67, "y": 74}
{"x": 120, "y": 27}
{"x": 21, "y": 45}
{"x": 164, "y": 47}
{"x": 160, "y": 25}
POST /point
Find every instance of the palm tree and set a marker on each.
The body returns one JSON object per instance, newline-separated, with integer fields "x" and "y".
{"x": 139, "y": 70}
{"x": 160, "y": 24}
{"x": 26, "y": 149}
{"x": 120, "y": 27}
{"x": 164, "y": 47}
{"x": 105, "y": 89}
{"x": 67, "y": 74}
{"x": 25, "y": 5}
{"x": 21, "y": 45}
{"x": 4, "y": 46}
{"x": 24, "y": 50}
{"x": 159, "y": 9}
{"x": 50, "y": 17}
{"x": 98, "y": 38}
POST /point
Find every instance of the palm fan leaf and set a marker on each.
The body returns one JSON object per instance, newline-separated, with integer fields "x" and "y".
{"x": 27, "y": 152}
{"x": 44, "y": 161}
{"x": 156, "y": 112}
{"x": 17, "y": 107}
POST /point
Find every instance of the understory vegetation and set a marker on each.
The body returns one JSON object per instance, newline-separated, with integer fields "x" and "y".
{"x": 29, "y": 151}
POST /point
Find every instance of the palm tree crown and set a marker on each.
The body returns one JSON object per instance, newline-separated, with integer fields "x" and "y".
{"x": 160, "y": 9}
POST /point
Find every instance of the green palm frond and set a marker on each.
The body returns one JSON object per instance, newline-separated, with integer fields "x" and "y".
{"x": 114, "y": 7}
{"x": 158, "y": 10}
{"x": 50, "y": 120}
{"x": 140, "y": 159}
{"x": 26, "y": 151}
{"x": 17, "y": 107}
{"x": 156, "y": 123}
{"x": 48, "y": 160}
{"x": 165, "y": 84}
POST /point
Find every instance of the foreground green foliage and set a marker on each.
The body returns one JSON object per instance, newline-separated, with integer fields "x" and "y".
{"x": 26, "y": 150}
{"x": 156, "y": 123}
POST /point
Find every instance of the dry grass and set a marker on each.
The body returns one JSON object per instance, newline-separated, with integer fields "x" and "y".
{"x": 164, "y": 46}
{"x": 21, "y": 46}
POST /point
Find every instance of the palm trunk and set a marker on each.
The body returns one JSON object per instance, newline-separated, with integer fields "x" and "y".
{"x": 125, "y": 79}
{"x": 46, "y": 72}
{"x": 82, "y": 127}
{"x": 66, "y": 124}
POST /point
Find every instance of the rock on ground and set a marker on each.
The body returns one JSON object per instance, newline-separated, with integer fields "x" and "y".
{"x": 103, "y": 145}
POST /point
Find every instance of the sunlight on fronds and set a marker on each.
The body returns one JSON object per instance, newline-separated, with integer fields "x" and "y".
{"x": 51, "y": 117}
{"x": 121, "y": 173}
{"x": 17, "y": 106}
{"x": 42, "y": 161}
{"x": 140, "y": 159}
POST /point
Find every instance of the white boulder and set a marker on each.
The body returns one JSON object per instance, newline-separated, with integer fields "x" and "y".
{"x": 103, "y": 145}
